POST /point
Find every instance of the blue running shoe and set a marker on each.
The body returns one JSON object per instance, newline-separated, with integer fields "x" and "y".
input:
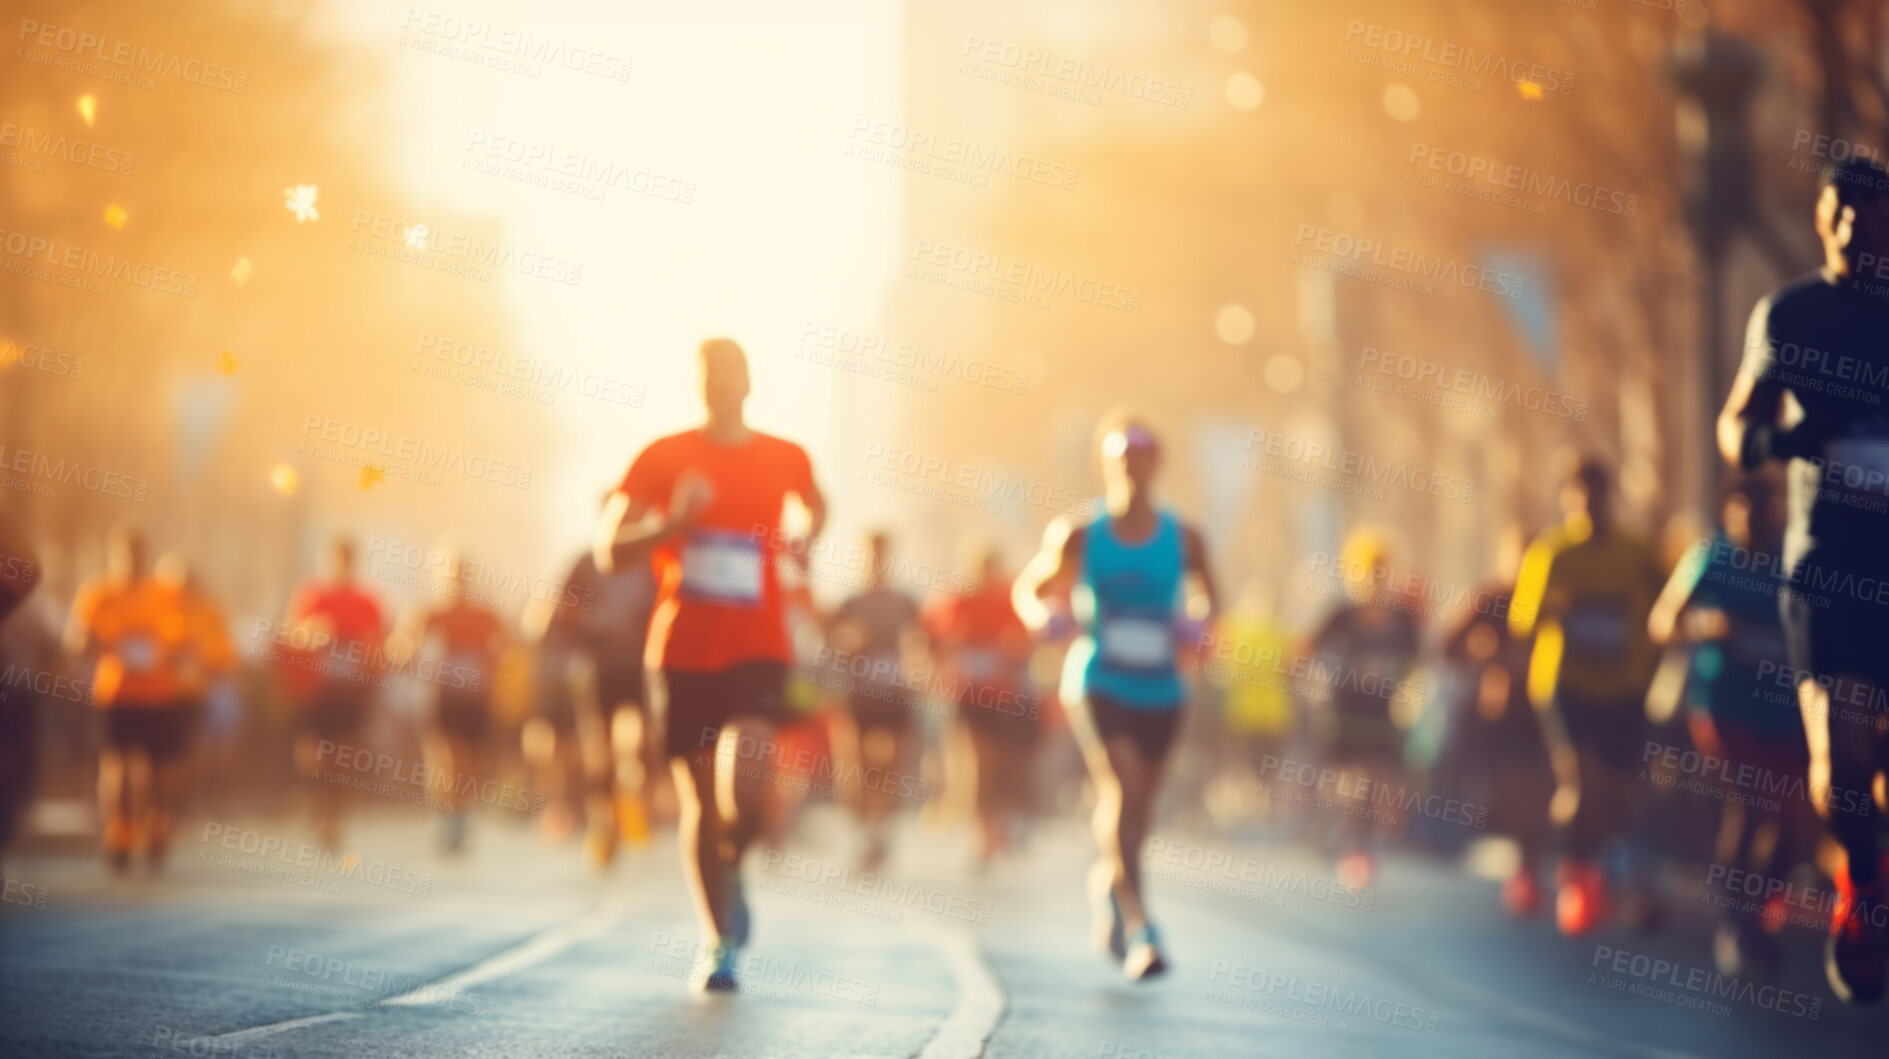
{"x": 1144, "y": 955}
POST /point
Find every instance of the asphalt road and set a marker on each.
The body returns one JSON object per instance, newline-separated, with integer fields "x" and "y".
{"x": 519, "y": 950}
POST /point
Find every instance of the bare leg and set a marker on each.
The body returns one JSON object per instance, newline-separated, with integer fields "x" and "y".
{"x": 113, "y": 805}
{"x": 1124, "y": 790}
{"x": 698, "y": 834}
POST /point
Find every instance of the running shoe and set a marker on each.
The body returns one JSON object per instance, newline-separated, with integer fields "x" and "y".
{"x": 1853, "y": 958}
{"x": 1521, "y": 894}
{"x": 452, "y": 833}
{"x": 1581, "y": 904}
{"x": 715, "y": 972}
{"x": 1144, "y": 955}
{"x": 1356, "y": 870}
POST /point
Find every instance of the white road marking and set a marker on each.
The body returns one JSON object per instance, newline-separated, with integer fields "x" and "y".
{"x": 981, "y": 1000}
{"x": 533, "y": 950}
{"x": 259, "y": 1032}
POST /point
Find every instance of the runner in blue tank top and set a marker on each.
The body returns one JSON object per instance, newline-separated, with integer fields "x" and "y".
{"x": 1124, "y": 578}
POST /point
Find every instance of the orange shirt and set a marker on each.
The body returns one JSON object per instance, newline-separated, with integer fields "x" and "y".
{"x": 472, "y": 637}
{"x": 982, "y": 634}
{"x": 718, "y": 597}
{"x": 145, "y": 639}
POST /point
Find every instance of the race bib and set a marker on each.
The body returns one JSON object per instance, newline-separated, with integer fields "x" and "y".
{"x": 469, "y": 665}
{"x": 1136, "y": 643}
{"x": 1754, "y": 645}
{"x": 1857, "y": 465}
{"x": 1596, "y": 629}
{"x": 138, "y": 653}
{"x": 723, "y": 568}
{"x": 979, "y": 663}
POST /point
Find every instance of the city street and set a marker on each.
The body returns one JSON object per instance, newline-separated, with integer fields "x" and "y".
{"x": 519, "y": 950}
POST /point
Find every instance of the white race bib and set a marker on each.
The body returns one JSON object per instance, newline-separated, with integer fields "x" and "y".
{"x": 979, "y": 663}
{"x": 1596, "y": 628}
{"x": 725, "y": 568}
{"x": 1136, "y": 643}
{"x": 1858, "y": 464}
{"x": 138, "y": 653}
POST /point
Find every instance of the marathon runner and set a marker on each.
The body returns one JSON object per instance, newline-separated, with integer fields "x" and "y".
{"x": 1365, "y": 651}
{"x": 1494, "y": 746}
{"x": 607, "y": 621}
{"x": 333, "y": 681}
{"x": 983, "y": 650}
{"x": 1584, "y": 593}
{"x": 1123, "y": 576}
{"x": 204, "y": 657}
{"x": 1257, "y": 709}
{"x": 1821, "y": 341}
{"x": 875, "y": 631}
{"x": 1722, "y": 601}
{"x": 458, "y": 647}
{"x": 132, "y": 625}
{"x": 707, "y": 505}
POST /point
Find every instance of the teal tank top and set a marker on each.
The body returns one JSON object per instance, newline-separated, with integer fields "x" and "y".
{"x": 1127, "y": 599}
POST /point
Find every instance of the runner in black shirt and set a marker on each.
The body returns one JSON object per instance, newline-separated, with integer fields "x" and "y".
{"x": 1824, "y": 341}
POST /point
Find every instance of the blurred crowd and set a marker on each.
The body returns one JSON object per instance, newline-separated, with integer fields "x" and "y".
{"x": 1604, "y": 715}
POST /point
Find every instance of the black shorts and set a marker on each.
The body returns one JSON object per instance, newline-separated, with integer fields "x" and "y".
{"x": 1832, "y": 633}
{"x": 696, "y": 705}
{"x": 466, "y": 716}
{"x": 336, "y": 713}
{"x": 1011, "y": 719}
{"x": 619, "y": 682}
{"x": 1104, "y": 720}
{"x": 164, "y": 732}
{"x": 876, "y": 706}
{"x": 1611, "y": 731}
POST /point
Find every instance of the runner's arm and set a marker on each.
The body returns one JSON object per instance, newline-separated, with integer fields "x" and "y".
{"x": 1748, "y": 429}
{"x": 630, "y": 530}
{"x": 1663, "y": 622}
{"x": 1195, "y": 556}
{"x": 1050, "y": 574}
{"x": 1531, "y": 590}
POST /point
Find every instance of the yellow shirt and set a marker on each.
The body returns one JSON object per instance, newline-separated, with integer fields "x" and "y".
{"x": 1250, "y": 670}
{"x": 1585, "y": 600}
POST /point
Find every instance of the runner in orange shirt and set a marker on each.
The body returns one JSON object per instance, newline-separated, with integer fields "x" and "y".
{"x": 457, "y": 647}
{"x": 984, "y": 649}
{"x": 142, "y": 641}
{"x": 204, "y": 656}
{"x": 707, "y": 504}
{"x": 332, "y": 682}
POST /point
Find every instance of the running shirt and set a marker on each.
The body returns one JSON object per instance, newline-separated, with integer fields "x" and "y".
{"x": 718, "y": 595}
{"x": 875, "y": 622}
{"x": 1585, "y": 599}
{"x": 471, "y": 638}
{"x": 610, "y": 615}
{"x": 1825, "y": 341}
{"x": 985, "y": 643}
{"x": 143, "y": 639}
{"x": 207, "y": 650}
{"x": 1723, "y": 681}
{"x": 352, "y": 620}
{"x": 1128, "y": 598}
{"x": 1245, "y": 665}
{"x": 1364, "y": 652}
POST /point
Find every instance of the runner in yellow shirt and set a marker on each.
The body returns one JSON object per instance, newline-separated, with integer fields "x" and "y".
{"x": 1584, "y": 593}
